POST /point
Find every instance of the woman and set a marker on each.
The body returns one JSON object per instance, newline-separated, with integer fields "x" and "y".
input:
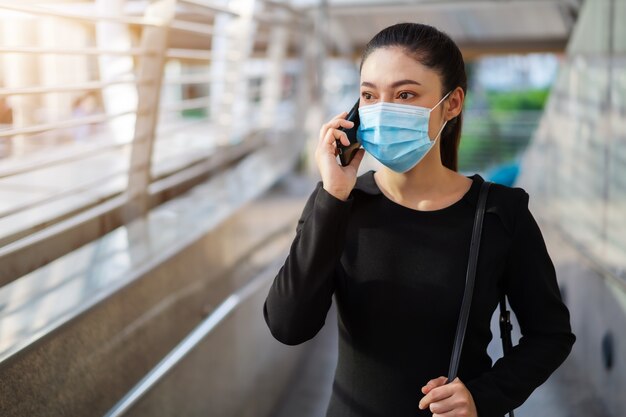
{"x": 393, "y": 247}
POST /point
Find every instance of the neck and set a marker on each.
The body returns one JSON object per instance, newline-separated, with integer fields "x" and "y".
{"x": 428, "y": 177}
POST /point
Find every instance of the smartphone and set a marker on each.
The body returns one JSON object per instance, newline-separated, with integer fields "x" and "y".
{"x": 346, "y": 153}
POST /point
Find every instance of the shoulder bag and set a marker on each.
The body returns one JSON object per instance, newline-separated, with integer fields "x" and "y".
{"x": 505, "y": 317}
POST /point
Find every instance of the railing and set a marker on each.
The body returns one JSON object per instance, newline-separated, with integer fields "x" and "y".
{"x": 161, "y": 106}
{"x": 492, "y": 138}
{"x": 194, "y": 338}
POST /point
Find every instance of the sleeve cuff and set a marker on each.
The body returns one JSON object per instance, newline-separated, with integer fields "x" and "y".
{"x": 327, "y": 201}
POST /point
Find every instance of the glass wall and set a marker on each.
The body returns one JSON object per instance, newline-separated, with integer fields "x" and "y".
{"x": 576, "y": 164}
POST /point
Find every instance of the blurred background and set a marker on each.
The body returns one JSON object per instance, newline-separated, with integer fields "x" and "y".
{"x": 156, "y": 155}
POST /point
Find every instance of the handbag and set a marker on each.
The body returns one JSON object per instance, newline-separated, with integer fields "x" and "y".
{"x": 505, "y": 316}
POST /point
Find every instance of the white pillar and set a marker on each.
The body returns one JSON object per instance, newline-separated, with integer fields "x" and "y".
{"x": 273, "y": 84}
{"x": 21, "y": 70}
{"x": 150, "y": 67}
{"x": 230, "y": 112}
{"x": 121, "y": 97}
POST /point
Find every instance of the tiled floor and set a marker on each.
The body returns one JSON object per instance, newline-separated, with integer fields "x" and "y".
{"x": 561, "y": 396}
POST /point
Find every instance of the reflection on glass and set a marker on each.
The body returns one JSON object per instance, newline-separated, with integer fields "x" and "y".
{"x": 577, "y": 160}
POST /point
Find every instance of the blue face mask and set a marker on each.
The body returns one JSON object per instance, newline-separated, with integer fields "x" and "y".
{"x": 396, "y": 134}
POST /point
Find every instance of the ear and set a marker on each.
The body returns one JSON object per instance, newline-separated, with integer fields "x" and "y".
{"x": 454, "y": 103}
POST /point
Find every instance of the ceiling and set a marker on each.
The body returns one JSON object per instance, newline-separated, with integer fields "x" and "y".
{"x": 478, "y": 26}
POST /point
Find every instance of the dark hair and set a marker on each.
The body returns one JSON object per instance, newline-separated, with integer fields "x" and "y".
{"x": 437, "y": 51}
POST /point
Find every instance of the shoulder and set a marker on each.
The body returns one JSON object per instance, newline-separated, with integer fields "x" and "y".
{"x": 366, "y": 184}
{"x": 508, "y": 203}
{"x": 508, "y": 197}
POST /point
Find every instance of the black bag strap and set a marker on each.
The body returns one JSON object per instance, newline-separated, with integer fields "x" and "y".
{"x": 505, "y": 323}
{"x": 469, "y": 281}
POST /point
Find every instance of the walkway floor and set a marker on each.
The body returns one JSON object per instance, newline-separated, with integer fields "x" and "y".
{"x": 563, "y": 395}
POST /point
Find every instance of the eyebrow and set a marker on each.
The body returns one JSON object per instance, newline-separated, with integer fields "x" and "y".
{"x": 393, "y": 85}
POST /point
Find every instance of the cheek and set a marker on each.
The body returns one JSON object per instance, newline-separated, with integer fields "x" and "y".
{"x": 434, "y": 124}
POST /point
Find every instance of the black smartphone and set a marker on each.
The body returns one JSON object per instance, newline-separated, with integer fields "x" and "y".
{"x": 346, "y": 153}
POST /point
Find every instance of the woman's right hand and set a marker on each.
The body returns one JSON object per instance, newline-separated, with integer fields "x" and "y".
{"x": 336, "y": 179}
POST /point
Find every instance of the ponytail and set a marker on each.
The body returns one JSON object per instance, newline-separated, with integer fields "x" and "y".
{"x": 450, "y": 140}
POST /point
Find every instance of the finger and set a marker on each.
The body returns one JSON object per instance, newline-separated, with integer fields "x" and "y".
{"x": 334, "y": 124}
{"x": 343, "y": 137}
{"x": 328, "y": 143}
{"x": 337, "y": 123}
{"x": 434, "y": 383}
{"x": 339, "y": 116}
{"x": 452, "y": 413}
{"x": 444, "y": 407}
{"x": 437, "y": 381}
{"x": 436, "y": 394}
{"x": 451, "y": 407}
{"x": 334, "y": 135}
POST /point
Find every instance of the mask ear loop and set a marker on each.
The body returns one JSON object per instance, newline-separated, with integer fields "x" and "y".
{"x": 440, "y": 130}
{"x": 442, "y": 99}
{"x": 444, "y": 123}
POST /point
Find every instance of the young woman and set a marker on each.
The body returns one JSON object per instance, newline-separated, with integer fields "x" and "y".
{"x": 393, "y": 246}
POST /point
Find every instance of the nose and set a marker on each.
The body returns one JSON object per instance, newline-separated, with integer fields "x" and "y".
{"x": 385, "y": 98}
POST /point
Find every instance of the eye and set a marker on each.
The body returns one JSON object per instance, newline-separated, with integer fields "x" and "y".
{"x": 405, "y": 95}
{"x": 366, "y": 96}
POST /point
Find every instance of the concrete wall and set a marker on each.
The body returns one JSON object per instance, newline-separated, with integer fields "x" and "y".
{"x": 87, "y": 365}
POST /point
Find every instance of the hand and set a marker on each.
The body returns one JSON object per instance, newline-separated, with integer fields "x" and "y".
{"x": 336, "y": 179}
{"x": 448, "y": 400}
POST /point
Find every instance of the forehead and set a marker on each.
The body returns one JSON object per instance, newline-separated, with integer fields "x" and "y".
{"x": 386, "y": 65}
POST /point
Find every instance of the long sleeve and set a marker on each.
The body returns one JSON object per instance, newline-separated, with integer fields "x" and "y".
{"x": 544, "y": 320}
{"x": 301, "y": 293}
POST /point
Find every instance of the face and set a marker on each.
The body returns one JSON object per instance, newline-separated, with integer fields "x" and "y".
{"x": 389, "y": 75}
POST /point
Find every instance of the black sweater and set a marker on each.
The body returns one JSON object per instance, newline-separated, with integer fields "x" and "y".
{"x": 398, "y": 276}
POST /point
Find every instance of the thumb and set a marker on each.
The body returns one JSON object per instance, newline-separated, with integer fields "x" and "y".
{"x": 358, "y": 157}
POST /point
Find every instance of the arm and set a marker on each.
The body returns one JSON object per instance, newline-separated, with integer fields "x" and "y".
{"x": 544, "y": 320}
{"x": 301, "y": 294}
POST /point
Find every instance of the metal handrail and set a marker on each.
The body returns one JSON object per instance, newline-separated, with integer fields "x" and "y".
{"x": 197, "y": 28}
{"x": 39, "y": 238}
{"x": 201, "y": 331}
{"x": 66, "y": 192}
{"x": 98, "y": 118}
{"x": 87, "y": 86}
{"x": 203, "y": 5}
{"x": 144, "y": 76}
{"x": 202, "y": 161}
{"x": 264, "y": 18}
{"x": 188, "y": 104}
{"x": 17, "y": 248}
{"x": 285, "y": 6}
{"x": 88, "y": 185}
{"x": 76, "y": 51}
{"x": 177, "y": 127}
{"x": 22, "y": 169}
{"x": 43, "y": 11}
{"x": 188, "y": 79}
{"x": 193, "y": 27}
{"x": 192, "y": 54}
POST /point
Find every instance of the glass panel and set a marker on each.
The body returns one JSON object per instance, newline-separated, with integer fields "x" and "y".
{"x": 592, "y": 28}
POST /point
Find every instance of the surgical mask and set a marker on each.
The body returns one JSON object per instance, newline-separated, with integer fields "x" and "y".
{"x": 396, "y": 134}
